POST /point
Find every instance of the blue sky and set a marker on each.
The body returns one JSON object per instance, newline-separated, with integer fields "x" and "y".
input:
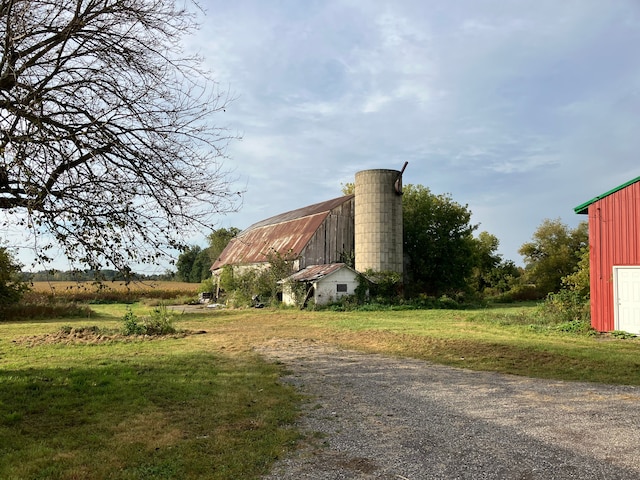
{"x": 520, "y": 109}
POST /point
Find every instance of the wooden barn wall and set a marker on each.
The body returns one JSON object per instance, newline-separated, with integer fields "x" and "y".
{"x": 614, "y": 239}
{"x": 334, "y": 237}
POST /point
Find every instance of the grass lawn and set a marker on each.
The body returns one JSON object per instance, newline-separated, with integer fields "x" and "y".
{"x": 173, "y": 408}
{"x": 206, "y": 406}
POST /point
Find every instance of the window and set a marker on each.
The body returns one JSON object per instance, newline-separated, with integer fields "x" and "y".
{"x": 341, "y": 287}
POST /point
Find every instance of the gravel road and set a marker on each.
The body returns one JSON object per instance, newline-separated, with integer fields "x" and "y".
{"x": 376, "y": 417}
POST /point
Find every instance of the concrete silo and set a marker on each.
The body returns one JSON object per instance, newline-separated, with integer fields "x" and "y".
{"x": 378, "y": 220}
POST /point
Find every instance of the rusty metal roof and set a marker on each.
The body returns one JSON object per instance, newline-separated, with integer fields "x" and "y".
{"x": 322, "y": 207}
{"x": 316, "y": 272}
{"x": 287, "y": 233}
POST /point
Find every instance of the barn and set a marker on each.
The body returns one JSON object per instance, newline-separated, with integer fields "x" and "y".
{"x": 318, "y": 234}
{"x": 365, "y": 227}
{"x": 614, "y": 258}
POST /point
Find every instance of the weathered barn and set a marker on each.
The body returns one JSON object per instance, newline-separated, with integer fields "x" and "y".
{"x": 318, "y": 234}
{"x": 614, "y": 258}
{"x": 367, "y": 226}
{"x": 321, "y": 283}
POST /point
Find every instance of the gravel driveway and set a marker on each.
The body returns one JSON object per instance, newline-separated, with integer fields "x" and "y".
{"x": 375, "y": 417}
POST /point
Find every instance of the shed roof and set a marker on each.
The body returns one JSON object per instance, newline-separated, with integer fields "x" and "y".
{"x": 288, "y": 232}
{"x": 316, "y": 272}
{"x": 584, "y": 208}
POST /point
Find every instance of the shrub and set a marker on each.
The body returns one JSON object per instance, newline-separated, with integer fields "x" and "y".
{"x": 565, "y": 307}
{"x": 160, "y": 322}
{"x": 206, "y": 285}
{"x": 131, "y": 325}
{"x": 519, "y": 293}
{"x": 621, "y": 334}
{"x": 576, "y": 326}
{"x": 385, "y": 287}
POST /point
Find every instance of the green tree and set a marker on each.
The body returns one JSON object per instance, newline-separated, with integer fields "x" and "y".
{"x": 487, "y": 259}
{"x": 185, "y": 263}
{"x": 492, "y": 274}
{"x": 219, "y": 239}
{"x": 348, "y": 188}
{"x": 194, "y": 263}
{"x": 579, "y": 281}
{"x": 11, "y": 284}
{"x": 553, "y": 253}
{"x": 106, "y": 147}
{"x": 438, "y": 241}
{"x": 200, "y": 269}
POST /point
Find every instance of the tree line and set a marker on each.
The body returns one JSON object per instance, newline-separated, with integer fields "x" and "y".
{"x": 444, "y": 255}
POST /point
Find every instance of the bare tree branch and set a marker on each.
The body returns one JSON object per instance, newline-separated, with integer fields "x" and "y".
{"x": 105, "y": 137}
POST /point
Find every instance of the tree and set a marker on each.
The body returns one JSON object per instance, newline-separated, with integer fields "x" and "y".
{"x": 579, "y": 280}
{"x": 348, "y": 188}
{"x": 219, "y": 239}
{"x": 438, "y": 240}
{"x": 553, "y": 253}
{"x": 200, "y": 270}
{"x": 194, "y": 263}
{"x": 106, "y": 149}
{"x": 11, "y": 285}
{"x": 185, "y": 263}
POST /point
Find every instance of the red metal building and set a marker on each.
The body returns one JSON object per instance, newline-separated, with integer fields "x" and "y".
{"x": 614, "y": 241}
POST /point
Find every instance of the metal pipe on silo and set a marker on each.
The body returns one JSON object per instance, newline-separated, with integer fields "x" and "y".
{"x": 378, "y": 220}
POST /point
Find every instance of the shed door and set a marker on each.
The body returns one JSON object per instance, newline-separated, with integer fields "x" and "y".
{"x": 626, "y": 293}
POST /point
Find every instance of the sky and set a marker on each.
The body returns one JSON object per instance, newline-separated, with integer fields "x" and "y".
{"x": 521, "y": 110}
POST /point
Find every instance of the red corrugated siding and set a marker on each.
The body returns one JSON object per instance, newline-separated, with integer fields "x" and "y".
{"x": 614, "y": 238}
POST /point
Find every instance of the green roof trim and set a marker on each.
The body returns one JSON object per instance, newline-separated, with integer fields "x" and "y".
{"x": 584, "y": 208}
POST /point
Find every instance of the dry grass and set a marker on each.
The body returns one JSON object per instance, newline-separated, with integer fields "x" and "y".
{"x": 452, "y": 337}
{"x": 48, "y": 300}
{"x": 109, "y": 292}
{"x": 136, "y": 288}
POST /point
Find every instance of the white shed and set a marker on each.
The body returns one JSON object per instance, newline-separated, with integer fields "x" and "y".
{"x": 324, "y": 283}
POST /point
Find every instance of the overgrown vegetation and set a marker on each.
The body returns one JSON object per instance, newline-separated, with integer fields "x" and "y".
{"x": 246, "y": 287}
{"x": 74, "y": 299}
{"x": 159, "y": 322}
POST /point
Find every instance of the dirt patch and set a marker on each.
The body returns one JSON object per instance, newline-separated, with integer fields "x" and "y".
{"x": 92, "y": 335}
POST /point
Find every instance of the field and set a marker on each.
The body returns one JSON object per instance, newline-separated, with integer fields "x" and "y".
{"x": 202, "y": 404}
{"x": 91, "y": 290}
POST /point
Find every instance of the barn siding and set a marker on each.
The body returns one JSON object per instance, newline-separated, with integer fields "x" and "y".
{"x": 334, "y": 236}
{"x": 614, "y": 239}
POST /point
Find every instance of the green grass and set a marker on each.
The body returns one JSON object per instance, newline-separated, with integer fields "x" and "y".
{"x": 166, "y": 408}
{"x": 206, "y": 406}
